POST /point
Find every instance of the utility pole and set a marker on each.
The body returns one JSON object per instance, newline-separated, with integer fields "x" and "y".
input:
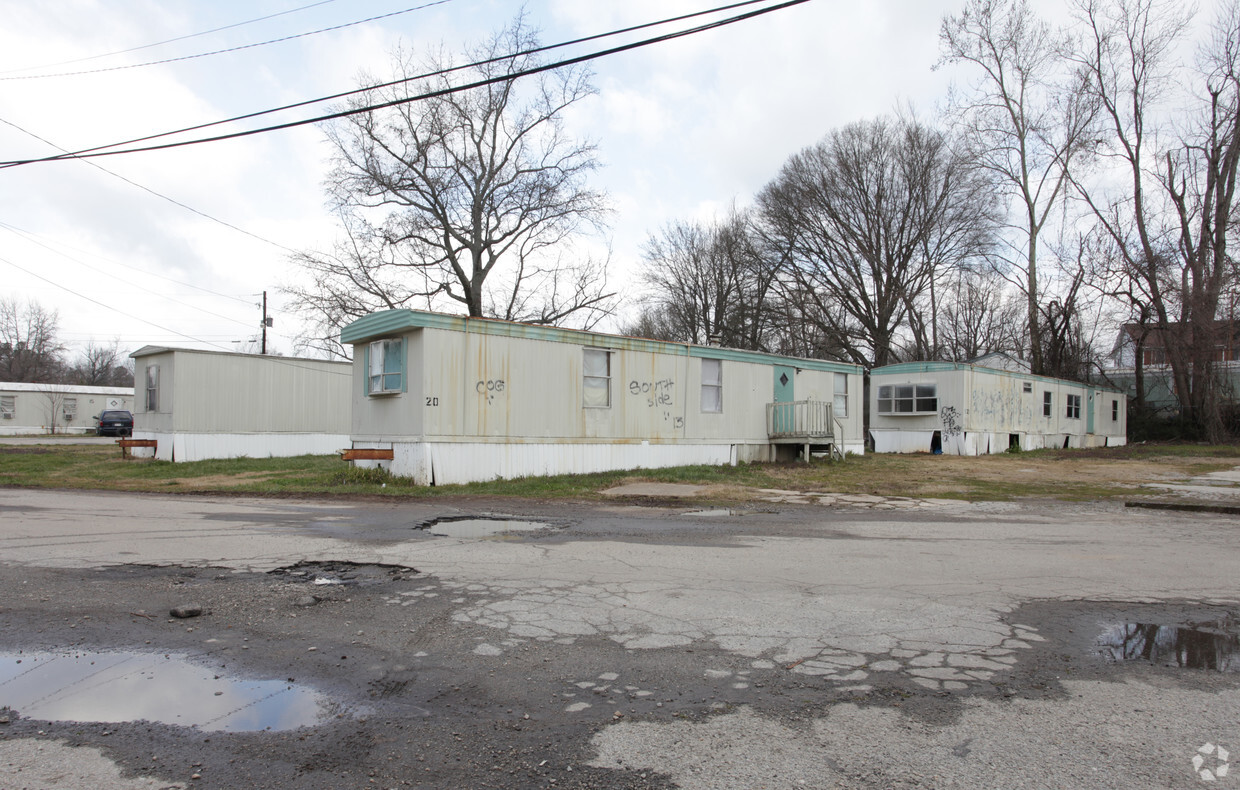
{"x": 266, "y": 322}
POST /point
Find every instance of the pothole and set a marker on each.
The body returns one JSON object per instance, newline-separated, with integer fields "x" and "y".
{"x": 113, "y": 687}
{"x": 344, "y": 573}
{"x": 478, "y": 526}
{"x": 1210, "y": 645}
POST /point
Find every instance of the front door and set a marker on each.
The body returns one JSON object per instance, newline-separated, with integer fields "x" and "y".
{"x": 1089, "y": 414}
{"x": 784, "y": 420}
{"x": 785, "y": 378}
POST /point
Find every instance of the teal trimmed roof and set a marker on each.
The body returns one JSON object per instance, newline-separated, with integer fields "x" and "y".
{"x": 394, "y": 322}
{"x": 912, "y": 368}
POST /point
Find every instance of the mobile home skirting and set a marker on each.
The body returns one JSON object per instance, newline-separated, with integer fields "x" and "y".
{"x": 448, "y": 463}
{"x": 202, "y": 446}
{"x": 983, "y": 443}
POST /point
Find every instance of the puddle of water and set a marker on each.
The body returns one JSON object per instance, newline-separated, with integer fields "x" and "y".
{"x": 712, "y": 513}
{"x": 1199, "y": 646}
{"x": 119, "y": 687}
{"x": 482, "y": 527}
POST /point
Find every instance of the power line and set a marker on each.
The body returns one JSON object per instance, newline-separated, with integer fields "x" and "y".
{"x": 114, "y": 309}
{"x": 100, "y": 150}
{"x": 169, "y": 40}
{"x": 438, "y": 73}
{"x": 148, "y": 322}
{"x": 173, "y": 201}
{"x": 131, "y": 284}
{"x": 227, "y": 50}
{"x": 30, "y": 234}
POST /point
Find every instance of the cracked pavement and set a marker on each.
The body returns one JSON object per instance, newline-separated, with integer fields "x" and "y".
{"x": 815, "y": 642}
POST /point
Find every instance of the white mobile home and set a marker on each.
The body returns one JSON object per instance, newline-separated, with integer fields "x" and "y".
{"x": 66, "y": 408}
{"x": 447, "y": 399}
{"x": 214, "y": 404}
{"x": 963, "y": 409}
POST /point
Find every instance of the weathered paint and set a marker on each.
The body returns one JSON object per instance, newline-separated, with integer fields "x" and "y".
{"x": 202, "y": 446}
{"x": 32, "y": 404}
{"x": 980, "y": 409}
{"x": 509, "y": 387}
{"x": 221, "y": 405}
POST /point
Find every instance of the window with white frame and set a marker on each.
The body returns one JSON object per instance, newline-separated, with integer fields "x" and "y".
{"x": 596, "y": 379}
{"x": 386, "y": 367}
{"x": 712, "y": 385}
{"x": 8, "y": 407}
{"x": 1027, "y": 386}
{"x": 152, "y": 388}
{"x": 70, "y": 409}
{"x": 1114, "y": 410}
{"x": 908, "y": 399}
{"x": 841, "y": 395}
{"x": 1073, "y": 411}
{"x": 1048, "y": 403}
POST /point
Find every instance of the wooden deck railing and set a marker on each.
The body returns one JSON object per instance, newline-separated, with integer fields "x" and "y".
{"x": 802, "y": 419}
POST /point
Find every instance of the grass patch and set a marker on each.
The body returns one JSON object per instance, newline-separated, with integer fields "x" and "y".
{"x": 1102, "y": 473}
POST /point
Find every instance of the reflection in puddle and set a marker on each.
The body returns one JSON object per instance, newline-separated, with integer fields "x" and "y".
{"x": 118, "y": 687}
{"x": 481, "y": 527}
{"x": 1198, "y": 646}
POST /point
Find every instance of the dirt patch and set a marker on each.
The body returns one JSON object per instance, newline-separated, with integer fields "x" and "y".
{"x": 214, "y": 481}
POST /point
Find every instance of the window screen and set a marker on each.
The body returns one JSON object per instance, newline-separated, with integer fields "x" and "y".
{"x": 152, "y": 388}
{"x": 712, "y": 385}
{"x": 1073, "y": 411}
{"x": 386, "y": 366}
{"x": 908, "y": 399}
{"x": 596, "y": 381}
{"x": 841, "y": 395}
{"x": 70, "y": 408}
{"x": 8, "y": 406}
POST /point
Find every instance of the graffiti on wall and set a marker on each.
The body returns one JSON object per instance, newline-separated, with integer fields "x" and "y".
{"x": 951, "y": 420}
{"x": 658, "y": 393}
{"x": 490, "y": 389}
{"x": 1003, "y": 409}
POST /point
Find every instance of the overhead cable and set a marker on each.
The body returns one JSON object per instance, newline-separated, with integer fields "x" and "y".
{"x": 228, "y": 49}
{"x": 100, "y": 150}
{"x": 144, "y": 188}
{"x": 169, "y": 40}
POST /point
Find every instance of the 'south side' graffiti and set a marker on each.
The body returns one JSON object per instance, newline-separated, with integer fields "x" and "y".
{"x": 658, "y": 394}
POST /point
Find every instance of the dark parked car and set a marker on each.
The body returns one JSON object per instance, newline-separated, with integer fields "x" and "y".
{"x": 114, "y": 423}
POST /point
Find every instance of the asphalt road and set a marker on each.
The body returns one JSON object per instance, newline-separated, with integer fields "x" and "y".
{"x": 625, "y": 646}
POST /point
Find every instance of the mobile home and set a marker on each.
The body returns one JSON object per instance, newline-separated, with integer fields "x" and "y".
{"x": 65, "y": 408}
{"x": 963, "y": 409}
{"x": 214, "y": 404}
{"x": 448, "y": 399}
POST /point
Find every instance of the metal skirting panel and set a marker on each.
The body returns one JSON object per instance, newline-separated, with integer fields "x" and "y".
{"x": 203, "y": 446}
{"x": 983, "y": 443}
{"x": 446, "y": 463}
{"x": 902, "y": 441}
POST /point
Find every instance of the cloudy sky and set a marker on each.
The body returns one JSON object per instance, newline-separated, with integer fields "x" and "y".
{"x": 140, "y": 248}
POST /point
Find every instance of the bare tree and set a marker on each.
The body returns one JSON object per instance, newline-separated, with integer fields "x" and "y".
{"x": 470, "y": 197}
{"x": 101, "y": 365}
{"x": 1026, "y": 120}
{"x": 1170, "y": 226}
{"x": 979, "y": 317}
{"x": 868, "y": 218}
{"x": 29, "y": 348}
{"x": 710, "y": 282}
